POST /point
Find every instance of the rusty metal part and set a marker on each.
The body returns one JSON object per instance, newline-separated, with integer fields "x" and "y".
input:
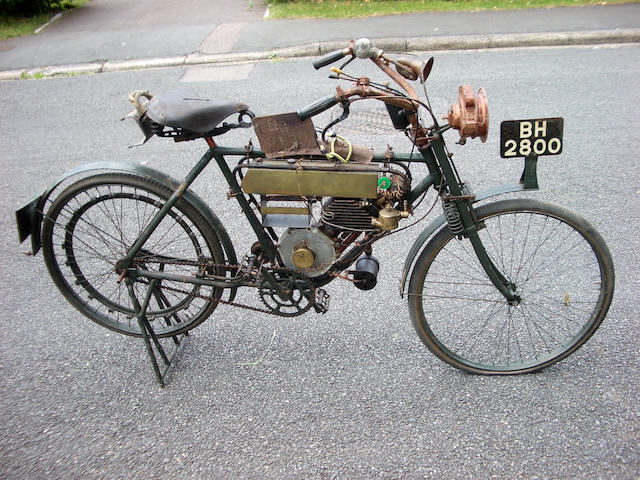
{"x": 248, "y": 148}
{"x": 388, "y": 153}
{"x": 408, "y": 105}
{"x": 367, "y": 91}
{"x": 286, "y": 135}
{"x": 293, "y": 296}
{"x": 470, "y": 116}
{"x": 446, "y": 198}
{"x": 217, "y": 300}
{"x": 359, "y": 153}
{"x": 399, "y": 79}
{"x": 406, "y": 71}
{"x": 346, "y": 242}
{"x": 396, "y": 191}
{"x": 210, "y": 265}
{"x": 420, "y": 137}
{"x": 413, "y": 68}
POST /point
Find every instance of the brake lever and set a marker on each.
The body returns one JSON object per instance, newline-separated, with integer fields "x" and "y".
{"x": 347, "y": 62}
{"x": 344, "y": 103}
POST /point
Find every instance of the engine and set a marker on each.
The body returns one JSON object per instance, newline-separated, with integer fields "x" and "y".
{"x": 325, "y": 193}
{"x": 324, "y": 206}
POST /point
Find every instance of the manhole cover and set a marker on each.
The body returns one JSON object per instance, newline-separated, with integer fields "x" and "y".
{"x": 370, "y": 121}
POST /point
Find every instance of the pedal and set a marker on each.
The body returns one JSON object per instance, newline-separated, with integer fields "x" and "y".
{"x": 321, "y": 302}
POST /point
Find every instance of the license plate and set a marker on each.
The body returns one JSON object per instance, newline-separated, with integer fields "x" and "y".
{"x": 524, "y": 138}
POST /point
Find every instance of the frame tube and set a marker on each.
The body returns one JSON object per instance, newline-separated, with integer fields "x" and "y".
{"x": 144, "y": 236}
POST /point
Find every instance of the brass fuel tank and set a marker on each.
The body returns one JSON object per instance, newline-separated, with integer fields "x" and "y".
{"x": 311, "y": 178}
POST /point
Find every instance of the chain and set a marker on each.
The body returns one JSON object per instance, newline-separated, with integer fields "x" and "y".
{"x": 224, "y": 302}
{"x": 192, "y": 263}
{"x": 208, "y": 298}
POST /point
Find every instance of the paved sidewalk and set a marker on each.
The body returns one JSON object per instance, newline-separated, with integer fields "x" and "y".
{"x": 438, "y": 24}
{"x": 108, "y": 35}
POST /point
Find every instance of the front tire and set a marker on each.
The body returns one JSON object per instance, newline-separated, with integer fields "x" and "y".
{"x": 560, "y": 266}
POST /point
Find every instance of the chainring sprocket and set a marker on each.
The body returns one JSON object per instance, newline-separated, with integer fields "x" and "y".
{"x": 296, "y": 295}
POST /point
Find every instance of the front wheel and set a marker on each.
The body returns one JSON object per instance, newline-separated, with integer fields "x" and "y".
{"x": 560, "y": 268}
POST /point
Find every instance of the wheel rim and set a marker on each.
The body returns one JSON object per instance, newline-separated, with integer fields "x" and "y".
{"x": 93, "y": 230}
{"x": 469, "y": 323}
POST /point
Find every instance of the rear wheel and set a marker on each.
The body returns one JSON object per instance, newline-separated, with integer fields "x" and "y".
{"x": 559, "y": 265}
{"x": 90, "y": 227}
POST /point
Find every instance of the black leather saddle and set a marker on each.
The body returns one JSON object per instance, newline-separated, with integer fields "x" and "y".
{"x": 186, "y": 110}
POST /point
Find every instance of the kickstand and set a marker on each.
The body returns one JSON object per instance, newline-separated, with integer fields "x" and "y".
{"x": 149, "y": 336}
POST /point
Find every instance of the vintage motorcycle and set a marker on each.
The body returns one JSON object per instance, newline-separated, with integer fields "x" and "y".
{"x": 508, "y": 287}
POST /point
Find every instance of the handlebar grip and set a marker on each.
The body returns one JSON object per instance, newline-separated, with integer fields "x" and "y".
{"x": 330, "y": 57}
{"x": 317, "y": 107}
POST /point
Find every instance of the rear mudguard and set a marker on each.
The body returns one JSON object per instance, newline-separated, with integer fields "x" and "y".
{"x": 435, "y": 225}
{"x": 29, "y": 217}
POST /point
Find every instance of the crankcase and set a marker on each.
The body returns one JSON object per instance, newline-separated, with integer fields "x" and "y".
{"x": 308, "y": 251}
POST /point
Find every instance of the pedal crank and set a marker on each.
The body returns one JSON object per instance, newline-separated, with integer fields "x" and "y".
{"x": 321, "y": 301}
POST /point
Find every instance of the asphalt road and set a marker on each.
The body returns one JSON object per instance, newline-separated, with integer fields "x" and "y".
{"x": 353, "y": 393}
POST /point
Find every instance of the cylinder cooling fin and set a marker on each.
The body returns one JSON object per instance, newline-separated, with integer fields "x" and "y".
{"x": 348, "y": 214}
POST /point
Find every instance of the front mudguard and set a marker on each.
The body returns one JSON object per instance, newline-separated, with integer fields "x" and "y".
{"x": 29, "y": 217}
{"x": 438, "y": 222}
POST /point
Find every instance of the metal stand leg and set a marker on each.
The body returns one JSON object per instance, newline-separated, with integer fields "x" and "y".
{"x": 148, "y": 335}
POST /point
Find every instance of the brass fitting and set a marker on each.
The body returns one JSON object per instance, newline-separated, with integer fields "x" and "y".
{"x": 388, "y": 218}
{"x": 303, "y": 257}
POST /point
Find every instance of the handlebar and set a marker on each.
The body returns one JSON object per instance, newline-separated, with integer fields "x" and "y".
{"x": 363, "y": 49}
{"x": 331, "y": 57}
{"x": 317, "y": 107}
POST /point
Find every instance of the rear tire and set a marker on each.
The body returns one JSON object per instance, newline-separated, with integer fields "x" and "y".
{"x": 560, "y": 266}
{"x": 90, "y": 227}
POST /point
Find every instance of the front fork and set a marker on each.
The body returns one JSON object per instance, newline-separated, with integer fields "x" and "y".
{"x": 506, "y": 288}
{"x": 436, "y": 157}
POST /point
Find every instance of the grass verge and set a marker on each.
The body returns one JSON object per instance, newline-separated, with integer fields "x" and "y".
{"x": 21, "y": 26}
{"x": 368, "y": 8}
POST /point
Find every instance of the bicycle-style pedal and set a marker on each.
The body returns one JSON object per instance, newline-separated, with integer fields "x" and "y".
{"x": 321, "y": 302}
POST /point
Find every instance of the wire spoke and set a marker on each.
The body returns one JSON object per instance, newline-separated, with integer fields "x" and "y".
{"x": 558, "y": 279}
{"x": 91, "y": 229}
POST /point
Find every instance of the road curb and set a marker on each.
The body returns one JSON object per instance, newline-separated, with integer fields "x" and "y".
{"x": 396, "y": 44}
{"x": 141, "y": 64}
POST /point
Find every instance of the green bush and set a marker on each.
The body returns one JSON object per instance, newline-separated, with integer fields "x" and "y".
{"x": 28, "y": 7}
